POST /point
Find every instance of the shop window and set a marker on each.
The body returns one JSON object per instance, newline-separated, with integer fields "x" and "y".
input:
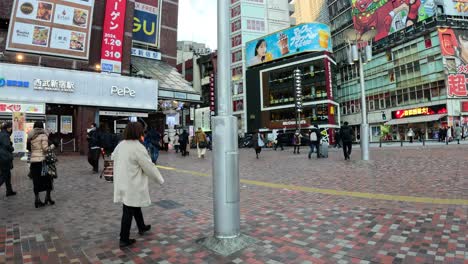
{"x": 389, "y": 56}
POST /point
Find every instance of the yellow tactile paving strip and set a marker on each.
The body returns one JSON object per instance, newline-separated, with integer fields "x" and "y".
{"x": 364, "y": 195}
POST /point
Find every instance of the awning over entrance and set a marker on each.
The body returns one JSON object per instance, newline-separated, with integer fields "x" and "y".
{"x": 172, "y": 84}
{"x": 417, "y": 119}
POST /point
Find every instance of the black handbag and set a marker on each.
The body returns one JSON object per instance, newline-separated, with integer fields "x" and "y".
{"x": 202, "y": 144}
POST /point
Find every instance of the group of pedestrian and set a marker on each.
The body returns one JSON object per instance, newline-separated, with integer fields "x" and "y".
{"x": 42, "y": 160}
{"x": 445, "y": 134}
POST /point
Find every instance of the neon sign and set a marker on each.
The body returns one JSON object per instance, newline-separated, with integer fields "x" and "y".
{"x": 420, "y": 111}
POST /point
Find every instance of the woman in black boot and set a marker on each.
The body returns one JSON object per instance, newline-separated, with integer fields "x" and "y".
{"x": 38, "y": 144}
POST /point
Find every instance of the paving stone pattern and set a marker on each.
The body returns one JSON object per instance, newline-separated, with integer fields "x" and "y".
{"x": 290, "y": 226}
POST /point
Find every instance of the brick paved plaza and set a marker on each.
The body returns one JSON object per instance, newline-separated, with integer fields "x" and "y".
{"x": 407, "y": 205}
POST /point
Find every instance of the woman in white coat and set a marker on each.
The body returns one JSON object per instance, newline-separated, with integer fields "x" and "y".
{"x": 132, "y": 170}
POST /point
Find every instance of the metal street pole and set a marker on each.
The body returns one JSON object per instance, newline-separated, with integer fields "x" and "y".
{"x": 364, "y": 125}
{"x": 226, "y": 195}
{"x": 227, "y": 238}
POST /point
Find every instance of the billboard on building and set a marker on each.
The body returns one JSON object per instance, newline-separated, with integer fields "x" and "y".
{"x": 389, "y": 16}
{"x": 51, "y": 27}
{"x": 454, "y": 47}
{"x": 146, "y": 22}
{"x": 291, "y": 41}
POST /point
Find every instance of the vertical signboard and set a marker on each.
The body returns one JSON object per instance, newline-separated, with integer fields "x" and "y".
{"x": 113, "y": 33}
{"x": 454, "y": 47}
{"x": 212, "y": 95}
{"x": 146, "y": 22}
{"x": 18, "y": 134}
{"x": 51, "y": 27}
{"x": 66, "y": 124}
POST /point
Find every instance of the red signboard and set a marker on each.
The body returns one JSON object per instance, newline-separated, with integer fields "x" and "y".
{"x": 112, "y": 38}
{"x": 419, "y": 111}
{"x": 464, "y": 106}
{"x": 453, "y": 44}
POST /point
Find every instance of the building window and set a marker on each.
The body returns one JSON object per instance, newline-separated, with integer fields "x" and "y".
{"x": 236, "y": 25}
{"x": 236, "y": 11}
{"x": 237, "y": 56}
{"x": 255, "y": 25}
{"x": 237, "y": 71}
{"x": 427, "y": 41}
{"x": 236, "y": 41}
{"x": 255, "y": 1}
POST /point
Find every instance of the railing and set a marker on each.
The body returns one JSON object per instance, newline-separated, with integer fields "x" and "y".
{"x": 66, "y": 143}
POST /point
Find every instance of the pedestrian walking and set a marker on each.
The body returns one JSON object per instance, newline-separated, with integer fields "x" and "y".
{"x": 6, "y": 158}
{"x": 337, "y": 139}
{"x": 176, "y": 142}
{"x": 42, "y": 180}
{"x": 278, "y": 140}
{"x": 200, "y": 140}
{"x": 314, "y": 141}
{"x": 184, "y": 140}
{"x": 458, "y": 133}
{"x": 410, "y": 135}
{"x": 258, "y": 143}
{"x": 94, "y": 147}
{"x": 297, "y": 142}
{"x": 153, "y": 139}
{"x": 448, "y": 137}
{"x": 132, "y": 170}
{"x": 166, "y": 142}
{"x": 346, "y": 134}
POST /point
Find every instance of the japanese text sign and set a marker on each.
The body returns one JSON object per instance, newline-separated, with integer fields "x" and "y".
{"x": 113, "y": 33}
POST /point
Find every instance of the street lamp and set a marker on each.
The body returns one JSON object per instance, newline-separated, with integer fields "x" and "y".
{"x": 360, "y": 49}
{"x": 298, "y": 93}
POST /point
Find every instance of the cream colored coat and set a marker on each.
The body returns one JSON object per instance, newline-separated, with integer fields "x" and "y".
{"x": 39, "y": 144}
{"x": 132, "y": 169}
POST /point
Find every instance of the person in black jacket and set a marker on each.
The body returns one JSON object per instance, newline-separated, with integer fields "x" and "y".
{"x": 184, "y": 140}
{"x": 6, "y": 158}
{"x": 346, "y": 134}
{"x": 94, "y": 145}
{"x": 153, "y": 139}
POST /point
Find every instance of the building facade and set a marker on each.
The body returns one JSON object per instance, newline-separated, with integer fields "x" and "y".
{"x": 54, "y": 65}
{"x": 251, "y": 19}
{"x": 416, "y": 77}
{"x": 306, "y": 11}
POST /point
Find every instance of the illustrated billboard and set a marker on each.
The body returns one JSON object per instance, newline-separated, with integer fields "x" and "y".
{"x": 146, "y": 25}
{"x": 291, "y": 41}
{"x": 51, "y": 27}
{"x": 389, "y": 16}
{"x": 454, "y": 47}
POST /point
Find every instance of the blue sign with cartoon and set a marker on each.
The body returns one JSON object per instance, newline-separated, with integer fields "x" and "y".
{"x": 291, "y": 41}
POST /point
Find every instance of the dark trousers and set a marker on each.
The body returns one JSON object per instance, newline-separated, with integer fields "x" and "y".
{"x": 166, "y": 147}
{"x": 93, "y": 158}
{"x": 5, "y": 177}
{"x": 315, "y": 145}
{"x": 183, "y": 149}
{"x": 297, "y": 147}
{"x": 279, "y": 144}
{"x": 127, "y": 215}
{"x": 347, "y": 147}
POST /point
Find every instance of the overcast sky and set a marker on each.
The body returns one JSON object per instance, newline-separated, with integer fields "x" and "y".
{"x": 197, "y": 21}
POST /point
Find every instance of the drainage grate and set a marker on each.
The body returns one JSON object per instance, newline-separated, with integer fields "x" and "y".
{"x": 168, "y": 204}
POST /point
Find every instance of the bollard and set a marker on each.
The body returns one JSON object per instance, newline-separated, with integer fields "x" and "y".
{"x": 424, "y": 142}
{"x": 380, "y": 142}
{"x": 401, "y": 141}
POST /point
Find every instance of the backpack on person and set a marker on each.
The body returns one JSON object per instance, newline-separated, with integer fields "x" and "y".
{"x": 313, "y": 136}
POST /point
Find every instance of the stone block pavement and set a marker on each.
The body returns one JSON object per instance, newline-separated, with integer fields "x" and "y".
{"x": 407, "y": 205}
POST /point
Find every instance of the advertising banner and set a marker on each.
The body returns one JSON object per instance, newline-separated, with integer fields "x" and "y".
{"x": 388, "y": 17}
{"x": 291, "y": 41}
{"x": 203, "y": 119}
{"x": 18, "y": 134}
{"x": 454, "y": 47}
{"x": 52, "y": 27}
{"x": 66, "y": 124}
{"x": 7, "y": 107}
{"x": 112, "y": 37}
{"x": 51, "y": 124}
{"x": 146, "y": 26}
